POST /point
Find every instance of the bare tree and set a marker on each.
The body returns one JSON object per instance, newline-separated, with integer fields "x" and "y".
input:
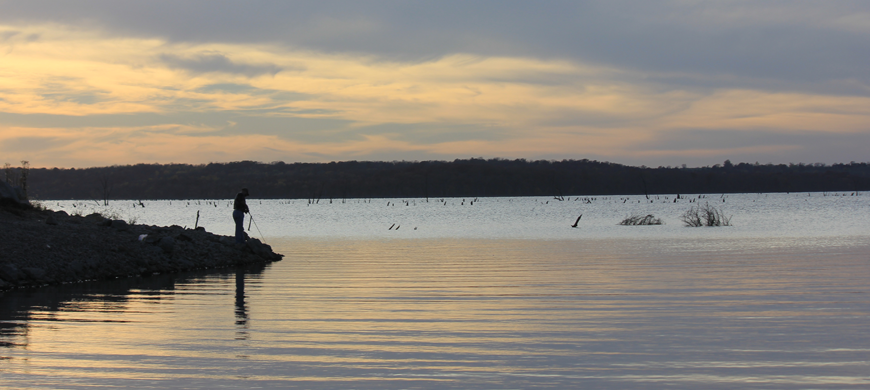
{"x": 17, "y": 177}
{"x": 10, "y": 174}
{"x": 106, "y": 184}
{"x": 22, "y": 177}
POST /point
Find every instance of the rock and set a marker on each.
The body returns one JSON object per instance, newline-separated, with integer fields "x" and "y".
{"x": 153, "y": 252}
{"x": 76, "y": 267}
{"x": 261, "y": 249}
{"x": 97, "y": 219}
{"x": 35, "y": 253}
{"x": 167, "y": 244}
{"x": 185, "y": 264}
{"x": 92, "y": 263}
{"x": 37, "y": 274}
{"x": 149, "y": 239}
{"x": 10, "y": 273}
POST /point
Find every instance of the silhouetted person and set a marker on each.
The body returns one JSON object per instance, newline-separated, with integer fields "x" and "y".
{"x": 240, "y": 207}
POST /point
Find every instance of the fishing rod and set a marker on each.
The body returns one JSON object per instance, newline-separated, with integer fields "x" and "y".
{"x": 258, "y": 228}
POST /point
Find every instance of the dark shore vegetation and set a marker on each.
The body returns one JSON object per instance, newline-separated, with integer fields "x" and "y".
{"x": 41, "y": 247}
{"x": 319, "y": 182}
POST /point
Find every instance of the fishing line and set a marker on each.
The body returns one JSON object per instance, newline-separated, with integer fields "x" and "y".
{"x": 258, "y": 228}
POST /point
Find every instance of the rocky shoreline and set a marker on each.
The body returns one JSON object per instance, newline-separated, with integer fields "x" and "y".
{"x": 42, "y": 247}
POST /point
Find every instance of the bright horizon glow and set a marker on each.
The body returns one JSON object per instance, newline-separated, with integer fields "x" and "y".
{"x": 77, "y": 94}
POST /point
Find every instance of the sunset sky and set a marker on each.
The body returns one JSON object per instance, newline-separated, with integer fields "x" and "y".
{"x": 656, "y": 83}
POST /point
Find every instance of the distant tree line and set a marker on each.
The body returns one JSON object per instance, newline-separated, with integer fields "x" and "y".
{"x": 433, "y": 179}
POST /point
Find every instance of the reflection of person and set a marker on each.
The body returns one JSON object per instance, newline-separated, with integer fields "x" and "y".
{"x": 241, "y": 312}
{"x": 240, "y": 207}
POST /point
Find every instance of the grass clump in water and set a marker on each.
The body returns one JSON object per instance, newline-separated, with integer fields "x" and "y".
{"x": 705, "y": 215}
{"x": 641, "y": 220}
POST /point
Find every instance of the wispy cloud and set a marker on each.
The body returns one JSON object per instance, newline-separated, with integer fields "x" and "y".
{"x": 214, "y": 62}
{"x": 665, "y": 83}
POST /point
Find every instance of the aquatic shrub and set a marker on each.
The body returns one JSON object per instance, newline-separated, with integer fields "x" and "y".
{"x": 641, "y": 220}
{"x": 116, "y": 215}
{"x": 705, "y": 215}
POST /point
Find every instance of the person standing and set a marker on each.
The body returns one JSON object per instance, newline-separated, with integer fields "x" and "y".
{"x": 240, "y": 208}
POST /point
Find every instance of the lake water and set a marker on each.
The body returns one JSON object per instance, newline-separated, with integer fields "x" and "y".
{"x": 488, "y": 293}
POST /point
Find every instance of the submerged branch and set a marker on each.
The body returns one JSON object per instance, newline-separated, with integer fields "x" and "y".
{"x": 641, "y": 220}
{"x": 705, "y": 215}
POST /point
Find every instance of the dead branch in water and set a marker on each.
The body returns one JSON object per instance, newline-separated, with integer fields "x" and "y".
{"x": 641, "y": 220}
{"x": 577, "y": 221}
{"x": 705, "y": 215}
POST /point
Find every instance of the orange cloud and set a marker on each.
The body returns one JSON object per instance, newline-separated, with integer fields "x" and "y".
{"x": 522, "y": 106}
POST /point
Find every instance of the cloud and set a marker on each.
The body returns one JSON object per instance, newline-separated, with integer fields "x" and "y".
{"x": 230, "y": 88}
{"x": 804, "y": 42}
{"x": 695, "y": 146}
{"x": 616, "y": 80}
{"x": 210, "y": 62}
{"x": 6, "y": 35}
{"x": 31, "y": 144}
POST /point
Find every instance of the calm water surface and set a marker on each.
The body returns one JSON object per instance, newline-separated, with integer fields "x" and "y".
{"x": 773, "y": 302}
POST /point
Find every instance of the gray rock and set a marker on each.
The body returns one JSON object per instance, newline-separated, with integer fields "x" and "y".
{"x": 10, "y": 273}
{"x": 261, "y": 249}
{"x": 149, "y": 239}
{"x": 255, "y": 246}
{"x": 97, "y": 219}
{"x": 35, "y": 253}
{"x": 76, "y": 267}
{"x": 92, "y": 263}
{"x": 185, "y": 263}
{"x": 34, "y": 273}
{"x": 154, "y": 252}
{"x": 120, "y": 225}
{"x": 167, "y": 244}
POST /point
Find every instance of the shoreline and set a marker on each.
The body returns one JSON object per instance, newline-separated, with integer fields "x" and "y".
{"x": 40, "y": 247}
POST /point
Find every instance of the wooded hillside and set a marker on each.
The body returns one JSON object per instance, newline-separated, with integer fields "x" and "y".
{"x": 459, "y": 178}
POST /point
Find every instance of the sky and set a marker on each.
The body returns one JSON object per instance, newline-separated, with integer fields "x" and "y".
{"x": 643, "y": 82}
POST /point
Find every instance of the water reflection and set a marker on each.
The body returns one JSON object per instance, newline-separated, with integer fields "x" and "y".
{"x": 241, "y": 310}
{"x": 460, "y": 314}
{"x": 20, "y": 310}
